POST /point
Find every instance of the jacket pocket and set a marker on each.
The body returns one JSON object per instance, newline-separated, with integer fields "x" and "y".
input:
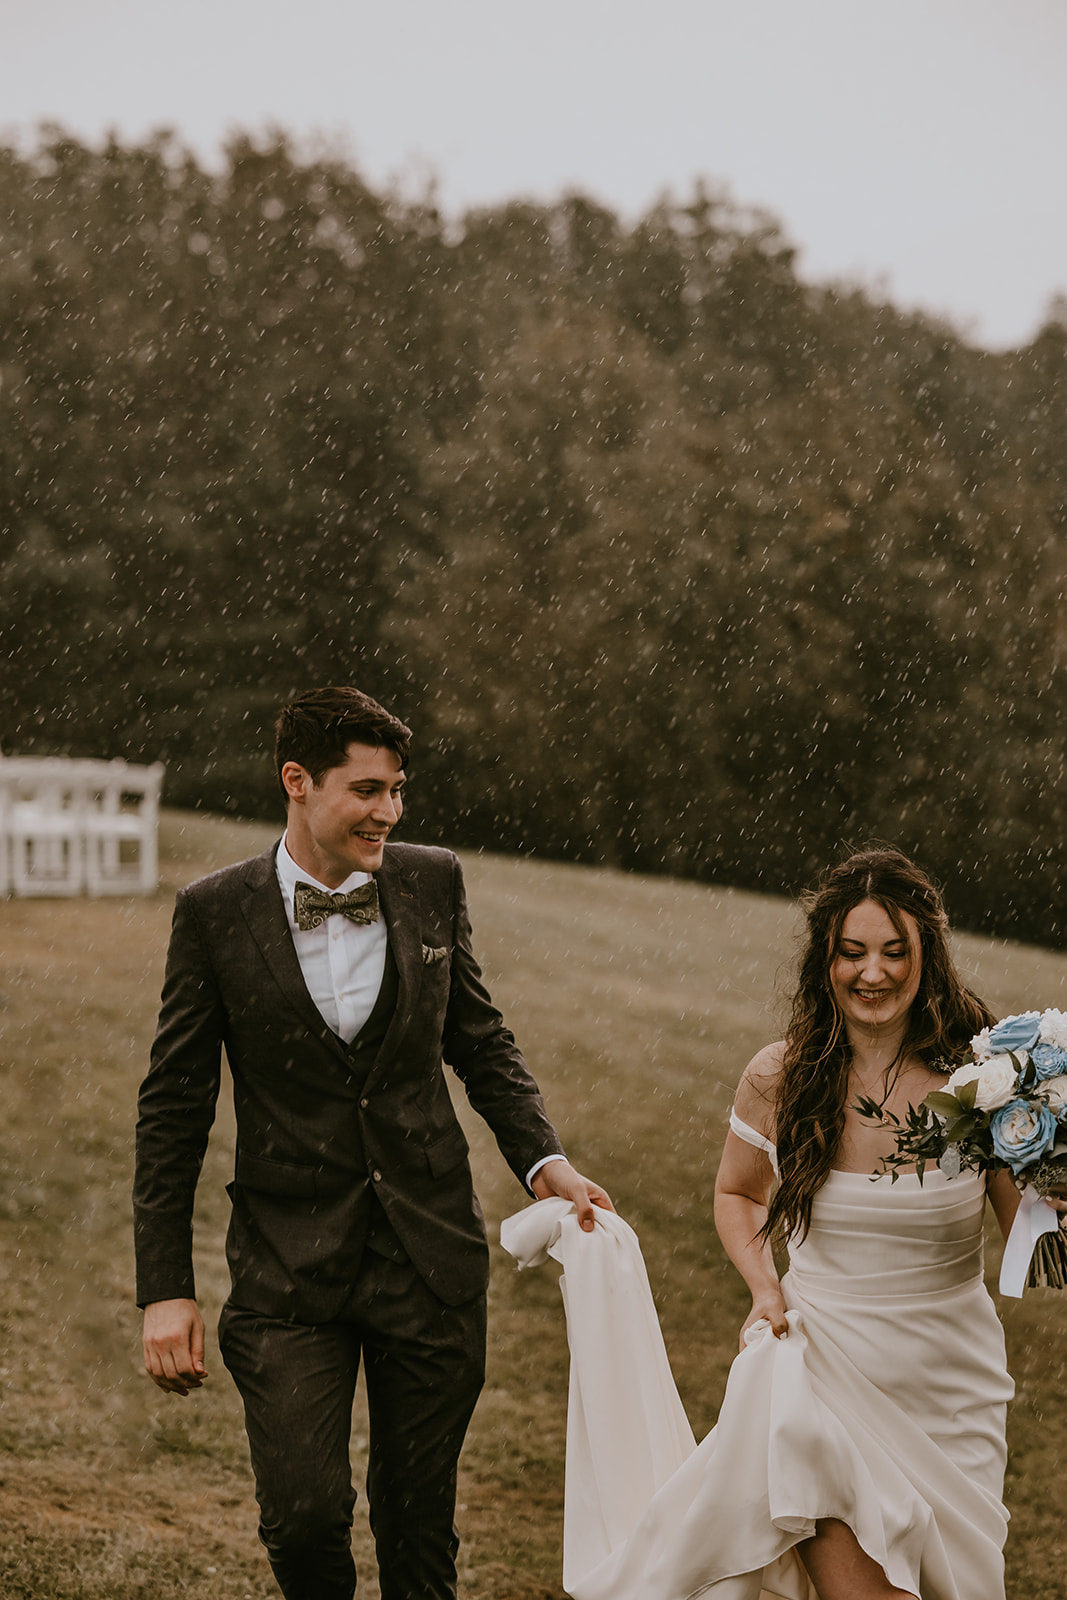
{"x": 446, "y": 1153}
{"x": 275, "y": 1177}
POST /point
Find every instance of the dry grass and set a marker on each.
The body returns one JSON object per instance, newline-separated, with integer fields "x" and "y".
{"x": 638, "y": 1002}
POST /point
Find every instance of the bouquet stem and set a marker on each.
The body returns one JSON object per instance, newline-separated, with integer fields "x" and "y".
{"x": 1048, "y": 1264}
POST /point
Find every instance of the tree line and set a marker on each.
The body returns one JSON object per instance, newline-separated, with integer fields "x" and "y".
{"x": 673, "y": 561}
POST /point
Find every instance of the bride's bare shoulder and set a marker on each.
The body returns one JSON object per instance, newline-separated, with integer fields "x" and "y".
{"x": 758, "y": 1088}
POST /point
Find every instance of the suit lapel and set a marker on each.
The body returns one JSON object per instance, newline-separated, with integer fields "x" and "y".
{"x": 398, "y": 892}
{"x": 269, "y": 927}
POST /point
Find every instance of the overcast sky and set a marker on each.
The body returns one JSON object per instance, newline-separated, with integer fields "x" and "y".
{"x": 916, "y": 145}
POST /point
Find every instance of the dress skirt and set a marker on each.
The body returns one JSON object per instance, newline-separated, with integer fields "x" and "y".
{"x": 884, "y": 1407}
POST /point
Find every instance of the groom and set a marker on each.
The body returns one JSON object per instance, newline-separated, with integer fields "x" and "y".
{"x": 337, "y": 972}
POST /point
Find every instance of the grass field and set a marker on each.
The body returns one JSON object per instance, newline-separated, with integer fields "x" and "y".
{"x": 638, "y": 1002}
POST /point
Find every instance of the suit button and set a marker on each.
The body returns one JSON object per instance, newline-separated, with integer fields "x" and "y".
{"x": 364, "y": 1104}
{"x": 376, "y": 1175}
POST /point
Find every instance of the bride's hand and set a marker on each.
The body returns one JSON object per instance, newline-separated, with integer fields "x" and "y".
{"x": 769, "y": 1307}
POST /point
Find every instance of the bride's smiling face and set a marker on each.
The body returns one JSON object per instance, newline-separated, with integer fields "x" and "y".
{"x": 874, "y": 972}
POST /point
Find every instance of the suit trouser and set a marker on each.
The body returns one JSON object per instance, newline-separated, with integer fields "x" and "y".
{"x": 424, "y": 1365}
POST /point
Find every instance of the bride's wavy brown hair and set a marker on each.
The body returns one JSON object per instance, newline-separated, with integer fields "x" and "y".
{"x": 813, "y": 1084}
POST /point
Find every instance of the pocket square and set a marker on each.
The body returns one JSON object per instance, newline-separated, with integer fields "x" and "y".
{"x": 433, "y": 953}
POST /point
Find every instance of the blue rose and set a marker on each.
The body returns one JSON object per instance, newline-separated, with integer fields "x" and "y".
{"x": 1015, "y": 1033}
{"x": 1049, "y": 1062}
{"x": 1022, "y": 1131}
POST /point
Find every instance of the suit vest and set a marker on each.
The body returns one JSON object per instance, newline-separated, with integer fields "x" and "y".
{"x": 362, "y": 1051}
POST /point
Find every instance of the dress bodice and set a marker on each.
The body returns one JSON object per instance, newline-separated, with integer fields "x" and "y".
{"x": 873, "y": 1236}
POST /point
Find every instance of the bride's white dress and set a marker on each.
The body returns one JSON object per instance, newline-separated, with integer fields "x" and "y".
{"x": 884, "y": 1407}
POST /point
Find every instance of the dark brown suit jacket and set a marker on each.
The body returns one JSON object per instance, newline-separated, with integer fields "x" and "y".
{"x": 315, "y": 1138}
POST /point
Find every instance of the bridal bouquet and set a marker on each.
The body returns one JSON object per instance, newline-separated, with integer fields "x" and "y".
{"x": 1006, "y": 1107}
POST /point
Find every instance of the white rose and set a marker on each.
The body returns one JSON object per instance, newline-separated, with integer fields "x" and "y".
{"x": 981, "y": 1046}
{"x": 995, "y": 1077}
{"x": 1054, "y": 1090}
{"x": 1054, "y": 1028}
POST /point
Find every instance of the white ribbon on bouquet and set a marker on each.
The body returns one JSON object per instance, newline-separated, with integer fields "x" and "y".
{"x": 1034, "y": 1217}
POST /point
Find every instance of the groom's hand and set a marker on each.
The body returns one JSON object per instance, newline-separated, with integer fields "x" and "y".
{"x": 559, "y": 1178}
{"x": 174, "y": 1345}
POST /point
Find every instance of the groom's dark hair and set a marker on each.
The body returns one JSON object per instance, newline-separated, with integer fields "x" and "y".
{"x": 317, "y": 728}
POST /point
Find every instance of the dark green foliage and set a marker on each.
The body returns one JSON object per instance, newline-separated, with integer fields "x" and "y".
{"x": 673, "y": 561}
{"x": 924, "y": 1139}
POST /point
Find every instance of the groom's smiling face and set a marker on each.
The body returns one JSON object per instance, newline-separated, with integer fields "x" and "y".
{"x": 339, "y": 825}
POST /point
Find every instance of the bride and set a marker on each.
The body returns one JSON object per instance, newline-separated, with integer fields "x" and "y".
{"x": 887, "y": 1279}
{"x": 860, "y": 1447}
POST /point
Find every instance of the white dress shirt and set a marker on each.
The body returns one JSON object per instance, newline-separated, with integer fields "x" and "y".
{"x": 343, "y": 962}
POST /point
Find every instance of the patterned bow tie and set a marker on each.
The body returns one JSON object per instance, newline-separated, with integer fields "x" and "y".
{"x": 312, "y": 906}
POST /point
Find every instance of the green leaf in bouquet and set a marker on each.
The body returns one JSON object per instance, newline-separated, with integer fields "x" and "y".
{"x": 950, "y": 1162}
{"x": 920, "y": 1139}
{"x": 963, "y": 1128}
{"x": 966, "y": 1093}
{"x": 1025, "y": 1070}
{"x": 872, "y": 1111}
{"x": 947, "y": 1105}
